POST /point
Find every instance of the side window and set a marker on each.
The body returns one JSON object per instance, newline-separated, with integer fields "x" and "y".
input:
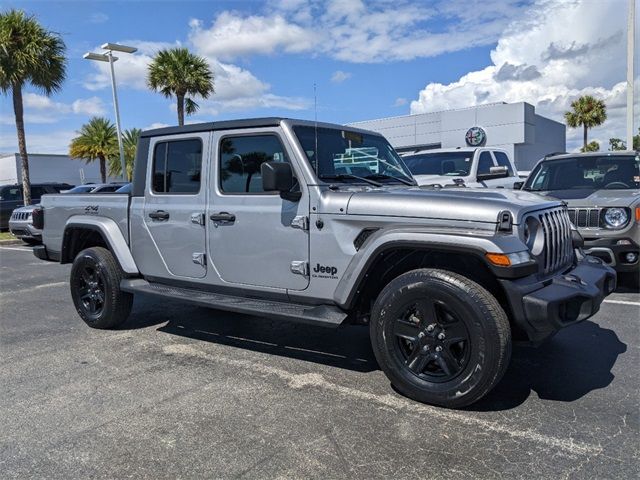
{"x": 11, "y": 193}
{"x": 485, "y": 163}
{"x": 241, "y": 158}
{"x": 176, "y": 166}
{"x": 503, "y": 161}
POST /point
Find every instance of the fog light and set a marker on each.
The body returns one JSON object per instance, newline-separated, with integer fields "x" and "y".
{"x": 631, "y": 257}
{"x": 624, "y": 241}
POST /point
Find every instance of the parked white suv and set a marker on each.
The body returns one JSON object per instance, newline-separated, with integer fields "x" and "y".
{"x": 469, "y": 166}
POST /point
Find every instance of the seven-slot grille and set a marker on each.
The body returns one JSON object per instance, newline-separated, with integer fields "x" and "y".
{"x": 558, "y": 250}
{"x": 585, "y": 217}
{"x": 20, "y": 215}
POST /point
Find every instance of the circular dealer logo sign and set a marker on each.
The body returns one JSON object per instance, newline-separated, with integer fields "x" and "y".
{"x": 475, "y": 136}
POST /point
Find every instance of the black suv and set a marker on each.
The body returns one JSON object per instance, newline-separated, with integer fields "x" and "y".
{"x": 11, "y": 197}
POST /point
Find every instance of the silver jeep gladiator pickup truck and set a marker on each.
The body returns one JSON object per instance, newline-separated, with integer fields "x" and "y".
{"x": 258, "y": 216}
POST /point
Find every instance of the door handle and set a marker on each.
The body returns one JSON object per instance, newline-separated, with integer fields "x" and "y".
{"x": 159, "y": 215}
{"x": 223, "y": 217}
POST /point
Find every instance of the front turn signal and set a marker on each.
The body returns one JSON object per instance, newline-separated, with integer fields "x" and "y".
{"x": 499, "y": 259}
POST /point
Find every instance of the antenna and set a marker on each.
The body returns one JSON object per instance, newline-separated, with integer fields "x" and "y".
{"x": 315, "y": 115}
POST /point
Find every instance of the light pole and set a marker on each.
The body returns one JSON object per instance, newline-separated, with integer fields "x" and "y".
{"x": 108, "y": 57}
{"x": 630, "y": 71}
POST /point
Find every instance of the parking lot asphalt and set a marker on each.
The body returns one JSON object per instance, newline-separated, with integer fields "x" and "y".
{"x": 186, "y": 392}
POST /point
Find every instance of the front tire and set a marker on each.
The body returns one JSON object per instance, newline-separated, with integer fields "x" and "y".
{"x": 95, "y": 289}
{"x": 440, "y": 338}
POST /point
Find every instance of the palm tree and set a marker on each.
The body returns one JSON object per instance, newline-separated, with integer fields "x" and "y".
{"x": 96, "y": 140}
{"x": 179, "y": 72}
{"x": 587, "y": 112}
{"x": 29, "y": 54}
{"x": 130, "y": 143}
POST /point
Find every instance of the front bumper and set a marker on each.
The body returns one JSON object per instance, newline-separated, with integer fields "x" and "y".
{"x": 24, "y": 229}
{"x": 613, "y": 254}
{"x": 542, "y": 307}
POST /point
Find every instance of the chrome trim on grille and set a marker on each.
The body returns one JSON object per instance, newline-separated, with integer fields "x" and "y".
{"x": 558, "y": 249}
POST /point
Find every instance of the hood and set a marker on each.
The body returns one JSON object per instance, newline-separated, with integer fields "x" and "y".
{"x": 28, "y": 208}
{"x": 595, "y": 198}
{"x": 466, "y": 204}
{"x": 433, "y": 179}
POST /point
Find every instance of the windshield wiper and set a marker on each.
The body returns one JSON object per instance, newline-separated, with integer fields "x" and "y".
{"x": 382, "y": 176}
{"x": 343, "y": 176}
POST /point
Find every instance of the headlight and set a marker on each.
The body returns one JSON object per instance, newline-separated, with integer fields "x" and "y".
{"x": 533, "y": 236}
{"x": 616, "y": 217}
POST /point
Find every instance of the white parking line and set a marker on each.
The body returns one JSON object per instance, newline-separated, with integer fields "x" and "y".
{"x": 622, "y": 302}
{"x": 36, "y": 287}
{"x": 563, "y": 445}
{"x": 18, "y": 249}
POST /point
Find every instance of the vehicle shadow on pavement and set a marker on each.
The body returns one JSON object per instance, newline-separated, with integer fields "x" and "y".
{"x": 346, "y": 347}
{"x": 576, "y": 361}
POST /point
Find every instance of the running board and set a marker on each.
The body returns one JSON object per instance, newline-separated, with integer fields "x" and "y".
{"x": 322, "y": 315}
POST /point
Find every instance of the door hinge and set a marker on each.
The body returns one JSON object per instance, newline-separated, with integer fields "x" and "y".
{"x": 301, "y": 222}
{"x": 199, "y": 258}
{"x": 300, "y": 267}
{"x": 197, "y": 218}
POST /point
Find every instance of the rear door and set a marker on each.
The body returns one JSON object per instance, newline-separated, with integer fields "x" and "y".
{"x": 175, "y": 202}
{"x": 10, "y": 199}
{"x": 255, "y": 237}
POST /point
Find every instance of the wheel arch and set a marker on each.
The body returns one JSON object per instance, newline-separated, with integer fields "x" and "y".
{"x": 81, "y": 232}
{"x": 386, "y": 260}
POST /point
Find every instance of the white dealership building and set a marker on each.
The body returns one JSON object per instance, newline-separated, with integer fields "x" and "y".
{"x": 515, "y": 127}
{"x": 44, "y": 168}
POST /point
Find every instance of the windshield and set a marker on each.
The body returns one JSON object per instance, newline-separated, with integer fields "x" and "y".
{"x": 606, "y": 172}
{"x": 450, "y": 164}
{"x": 345, "y": 155}
{"x": 82, "y": 189}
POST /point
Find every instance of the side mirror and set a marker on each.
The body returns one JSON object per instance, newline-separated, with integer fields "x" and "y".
{"x": 278, "y": 177}
{"x": 494, "y": 172}
{"x": 518, "y": 185}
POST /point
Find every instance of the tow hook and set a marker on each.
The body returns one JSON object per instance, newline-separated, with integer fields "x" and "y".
{"x": 574, "y": 279}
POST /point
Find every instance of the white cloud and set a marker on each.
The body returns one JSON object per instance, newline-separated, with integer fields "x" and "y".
{"x": 378, "y": 31}
{"x": 42, "y": 109}
{"x": 92, "y": 106}
{"x": 339, "y": 76}
{"x": 539, "y": 60}
{"x": 400, "y": 102}
{"x": 130, "y": 69}
{"x": 56, "y": 141}
{"x": 236, "y": 88}
{"x": 231, "y": 36}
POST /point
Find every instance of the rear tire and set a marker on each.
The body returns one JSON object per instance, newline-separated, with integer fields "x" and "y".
{"x": 95, "y": 289}
{"x": 440, "y": 338}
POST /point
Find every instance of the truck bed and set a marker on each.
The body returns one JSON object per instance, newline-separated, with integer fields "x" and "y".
{"x": 62, "y": 209}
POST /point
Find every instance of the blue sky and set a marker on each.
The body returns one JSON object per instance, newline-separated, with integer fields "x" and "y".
{"x": 369, "y": 59}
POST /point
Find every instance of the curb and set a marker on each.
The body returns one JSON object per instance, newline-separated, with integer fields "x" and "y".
{"x": 17, "y": 241}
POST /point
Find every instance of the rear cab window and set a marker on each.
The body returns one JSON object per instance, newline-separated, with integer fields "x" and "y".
{"x": 177, "y": 166}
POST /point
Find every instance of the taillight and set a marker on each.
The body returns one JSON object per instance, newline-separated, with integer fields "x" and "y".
{"x": 37, "y": 218}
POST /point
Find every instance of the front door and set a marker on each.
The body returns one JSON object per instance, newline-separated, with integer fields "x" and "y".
{"x": 255, "y": 237}
{"x": 175, "y": 203}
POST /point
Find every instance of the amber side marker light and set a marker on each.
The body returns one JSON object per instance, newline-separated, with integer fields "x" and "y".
{"x": 498, "y": 259}
{"x": 637, "y": 214}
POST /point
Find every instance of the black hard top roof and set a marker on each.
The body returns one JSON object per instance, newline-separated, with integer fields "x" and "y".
{"x": 208, "y": 126}
{"x": 242, "y": 123}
